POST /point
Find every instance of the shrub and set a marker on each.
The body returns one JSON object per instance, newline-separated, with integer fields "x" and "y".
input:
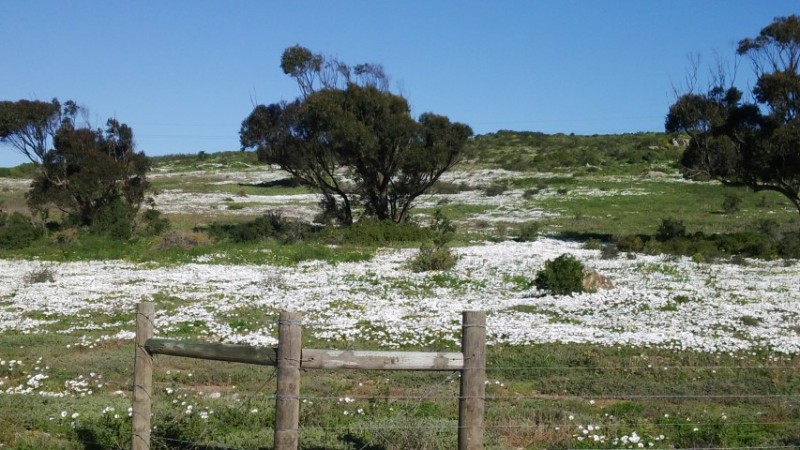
{"x": 528, "y": 232}
{"x": 495, "y": 190}
{"x": 670, "y": 228}
{"x": 630, "y": 243}
{"x": 40, "y": 275}
{"x": 609, "y": 251}
{"x": 731, "y": 203}
{"x": 561, "y": 276}
{"x": 433, "y": 258}
{"x": 271, "y": 225}
{"x": 154, "y": 222}
{"x": 115, "y": 220}
{"x": 17, "y": 231}
{"x": 373, "y": 232}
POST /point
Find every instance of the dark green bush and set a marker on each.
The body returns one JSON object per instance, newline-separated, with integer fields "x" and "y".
{"x": 561, "y": 276}
{"x": 630, "y": 243}
{"x": 114, "y": 220}
{"x": 17, "y": 231}
{"x": 373, "y": 232}
{"x": 670, "y": 228}
{"x": 268, "y": 226}
{"x": 154, "y": 223}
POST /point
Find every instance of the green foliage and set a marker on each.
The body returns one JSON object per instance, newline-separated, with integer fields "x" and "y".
{"x": 360, "y": 127}
{"x": 17, "y": 231}
{"x": 749, "y": 144}
{"x": 114, "y": 220}
{"x": 439, "y": 256}
{"x": 561, "y": 276}
{"x": 268, "y": 226}
{"x": 154, "y": 222}
{"x": 670, "y": 228}
{"x": 731, "y": 203}
{"x": 528, "y": 232}
{"x": 535, "y": 151}
{"x": 433, "y": 258}
{"x": 371, "y": 232}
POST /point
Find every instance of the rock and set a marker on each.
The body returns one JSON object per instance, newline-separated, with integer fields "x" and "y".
{"x": 594, "y": 280}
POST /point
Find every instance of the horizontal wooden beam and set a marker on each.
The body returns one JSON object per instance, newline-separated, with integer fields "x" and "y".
{"x": 311, "y": 359}
{"x": 379, "y": 360}
{"x": 264, "y": 356}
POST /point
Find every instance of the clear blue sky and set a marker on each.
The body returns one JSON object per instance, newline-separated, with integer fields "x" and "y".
{"x": 184, "y": 74}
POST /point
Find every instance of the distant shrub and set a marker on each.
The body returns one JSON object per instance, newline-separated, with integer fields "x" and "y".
{"x": 268, "y": 226}
{"x": 438, "y": 257}
{"x": 609, "y": 251}
{"x": 154, "y": 222}
{"x": 593, "y": 244}
{"x": 17, "y": 231}
{"x": 630, "y": 243}
{"x": 40, "y": 275}
{"x": 372, "y": 232}
{"x": 528, "y": 232}
{"x": 114, "y": 220}
{"x": 495, "y": 189}
{"x": 433, "y": 258}
{"x": 445, "y": 187}
{"x": 561, "y": 276}
{"x": 183, "y": 240}
{"x": 670, "y": 228}
{"x": 731, "y": 203}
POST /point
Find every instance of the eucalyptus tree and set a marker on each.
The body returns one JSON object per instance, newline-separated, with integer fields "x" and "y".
{"x": 749, "y": 143}
{"x": 351, "y": 139}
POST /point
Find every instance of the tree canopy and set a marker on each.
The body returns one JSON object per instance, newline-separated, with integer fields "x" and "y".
{"x": 94, "y": 176}
{"x": 755, "y": 144}
{"x": 353, "y": 140}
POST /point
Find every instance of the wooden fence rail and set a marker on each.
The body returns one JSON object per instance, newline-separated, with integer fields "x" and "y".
{"x": 290, "y": 357}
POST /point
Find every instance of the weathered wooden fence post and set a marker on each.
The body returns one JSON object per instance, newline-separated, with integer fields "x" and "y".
{"x": 473, "y": 381}
{"x": 287, "y": 398}
{"x": 142, "y": 378}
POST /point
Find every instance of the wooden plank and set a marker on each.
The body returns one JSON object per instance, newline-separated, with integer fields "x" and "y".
{"x": 142, "y": 378}
{"x": 287, "y": 397}
{"x": 264, "y": 356}
{"x": 380, "y": 360}
{"x": 473, "y": 381}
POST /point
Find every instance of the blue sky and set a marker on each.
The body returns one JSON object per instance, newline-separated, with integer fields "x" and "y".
{"x": 184, "y": 74}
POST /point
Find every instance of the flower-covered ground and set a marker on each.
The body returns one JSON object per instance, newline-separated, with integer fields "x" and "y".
{"x": 657, "y": 301}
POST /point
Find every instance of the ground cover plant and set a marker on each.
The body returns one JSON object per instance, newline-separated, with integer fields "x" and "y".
{"x": 682, "y": 352}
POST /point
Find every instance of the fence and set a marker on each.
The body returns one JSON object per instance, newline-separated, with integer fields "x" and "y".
{"x": 290, "y": 357}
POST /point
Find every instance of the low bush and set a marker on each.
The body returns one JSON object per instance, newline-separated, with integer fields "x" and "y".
{"x": 154, "y": 222}
{"x": 731, "y": 203}
{"x": 433, "y": 258}
{"x": 373, "y": 232}
{"x": 271, "y": 225}
{"x": 528, "y": 232}
{"x": 561, "y": 276}
{"x": 670, "y": 228}
{"x": 183, "y": 240}
{"x": 17, "y": 231}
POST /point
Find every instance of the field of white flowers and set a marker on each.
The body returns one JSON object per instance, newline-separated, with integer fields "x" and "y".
{"x": 657, "y": 301}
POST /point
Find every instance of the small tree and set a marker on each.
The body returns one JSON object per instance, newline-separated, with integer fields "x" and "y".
{"x": 347, "y": 126}
{"x": 749, "y": 144}
{"x": 94, "y": 176}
